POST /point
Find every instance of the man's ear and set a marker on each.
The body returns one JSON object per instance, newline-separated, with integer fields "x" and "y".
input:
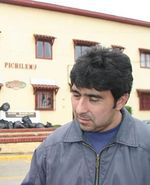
{"x": 122, "y": 101}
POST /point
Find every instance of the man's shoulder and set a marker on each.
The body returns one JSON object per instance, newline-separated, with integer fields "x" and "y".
{"x": 142, "y": 130}
{"x": 69, "y": 132}
{"x": 60, "y": 132}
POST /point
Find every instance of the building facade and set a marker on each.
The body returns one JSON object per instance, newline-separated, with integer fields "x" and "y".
{"x": 38, "y": 46}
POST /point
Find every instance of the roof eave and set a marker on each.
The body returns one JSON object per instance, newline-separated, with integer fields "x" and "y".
{"x": 76, "y": 11}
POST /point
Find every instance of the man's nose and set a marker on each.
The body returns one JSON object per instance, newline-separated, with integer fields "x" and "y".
{"x": 82, "y": 106}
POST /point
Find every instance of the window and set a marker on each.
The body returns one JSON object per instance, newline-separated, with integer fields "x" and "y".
{"x": 44, "y": 100}
{"x": 1, "y": 85}
{"x": 44, "y": 96}
{"x": 144, "y": 99}
{"x": 81, "y": 46}
{"x": 121, "y": 48}
{"x": 144, "y": 58}
{"x": 43, "y": 46}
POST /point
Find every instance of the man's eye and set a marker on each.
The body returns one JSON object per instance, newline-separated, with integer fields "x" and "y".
{"x": 76, "y": 95}
{"x": 94, "y": 99}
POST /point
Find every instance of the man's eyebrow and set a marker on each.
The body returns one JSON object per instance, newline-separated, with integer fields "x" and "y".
{"x": 74, "y": 91}
{"x": 93, "y": 95}
{"x": 87, "y": 94}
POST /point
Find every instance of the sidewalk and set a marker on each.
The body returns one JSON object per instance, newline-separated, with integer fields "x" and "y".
{"x": 4, "y": 157}
{"x": 13, "y": 168}
{"x": 16, "y": 149}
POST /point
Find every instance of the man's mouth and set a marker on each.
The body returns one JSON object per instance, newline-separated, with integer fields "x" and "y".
{"x": 83, "y": 120}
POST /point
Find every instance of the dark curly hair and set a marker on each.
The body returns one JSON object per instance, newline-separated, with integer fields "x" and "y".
{"x": 103, "y": 69}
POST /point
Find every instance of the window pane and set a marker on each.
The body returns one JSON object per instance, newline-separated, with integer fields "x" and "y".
{"x": 39, "y": 49}
{"x": 145, "y": 101}
{"x": 47, "y": 49}
{"x": 148, "y": 60}
{"x": 142, "y": 60}
{"x": 77, "y": 51}
{"x": 84, "y": 48}
{"x": 145, "y": 60}
{"x": 80, "y": 50}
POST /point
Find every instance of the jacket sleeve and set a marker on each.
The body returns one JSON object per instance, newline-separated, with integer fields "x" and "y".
{"x": 36, "y": 174}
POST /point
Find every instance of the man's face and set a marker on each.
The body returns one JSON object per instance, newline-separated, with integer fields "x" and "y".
{"x": 95, "y": 110}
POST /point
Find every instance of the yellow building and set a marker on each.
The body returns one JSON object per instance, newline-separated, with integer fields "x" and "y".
{"x": 38, "y": 46}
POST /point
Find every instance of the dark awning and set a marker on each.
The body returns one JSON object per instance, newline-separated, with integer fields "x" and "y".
{"x": 44, "y": 37}
{"x": 85, "y": 42}
{"x": 140, "y": 91}
{"x": 44, "y": 84}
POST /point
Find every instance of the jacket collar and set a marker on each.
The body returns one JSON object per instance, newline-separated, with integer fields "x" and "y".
{"x": 126, "y": 133}
{"x": 74, "y": 133}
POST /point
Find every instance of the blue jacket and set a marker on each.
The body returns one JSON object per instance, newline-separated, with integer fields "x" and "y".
{"x": 64, "y": 158}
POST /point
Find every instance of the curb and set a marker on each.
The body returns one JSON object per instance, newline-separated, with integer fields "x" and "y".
{"x": 16, "y": 156}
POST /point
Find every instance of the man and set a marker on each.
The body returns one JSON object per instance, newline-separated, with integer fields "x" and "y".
{"x": 104, "y": 144}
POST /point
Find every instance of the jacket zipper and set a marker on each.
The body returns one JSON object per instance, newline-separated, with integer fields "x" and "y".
{"x": 97, "y": 163}
{"x": 97, "y": 169}
{"x": 97, "y": 179}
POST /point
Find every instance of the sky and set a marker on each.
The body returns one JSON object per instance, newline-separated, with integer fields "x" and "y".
{"x": 136, "y": 9}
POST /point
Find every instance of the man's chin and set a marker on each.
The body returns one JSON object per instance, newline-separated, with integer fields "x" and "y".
{"x": 85, "y": 127}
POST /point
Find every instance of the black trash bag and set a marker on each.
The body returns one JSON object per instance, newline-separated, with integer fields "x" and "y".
{"x": 27, "y": 122}
{"x": 48, "y": 125}
{"x": 39, "y": 125}
{"x": 18, "y": 124}
{"x": 4, "y": 124}
{"x": 5, "y": 107}
{"x": 11, "y": 125}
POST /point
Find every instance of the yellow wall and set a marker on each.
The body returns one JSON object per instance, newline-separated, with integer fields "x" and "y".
{"x": 17, "y": 45}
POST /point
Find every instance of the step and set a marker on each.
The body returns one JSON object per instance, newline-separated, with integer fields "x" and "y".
{"x": 24, "y": 135}
{"x": 22, "y": 141}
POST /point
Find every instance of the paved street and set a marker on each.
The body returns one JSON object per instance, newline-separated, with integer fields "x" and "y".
{"x": 12, "y": 171}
